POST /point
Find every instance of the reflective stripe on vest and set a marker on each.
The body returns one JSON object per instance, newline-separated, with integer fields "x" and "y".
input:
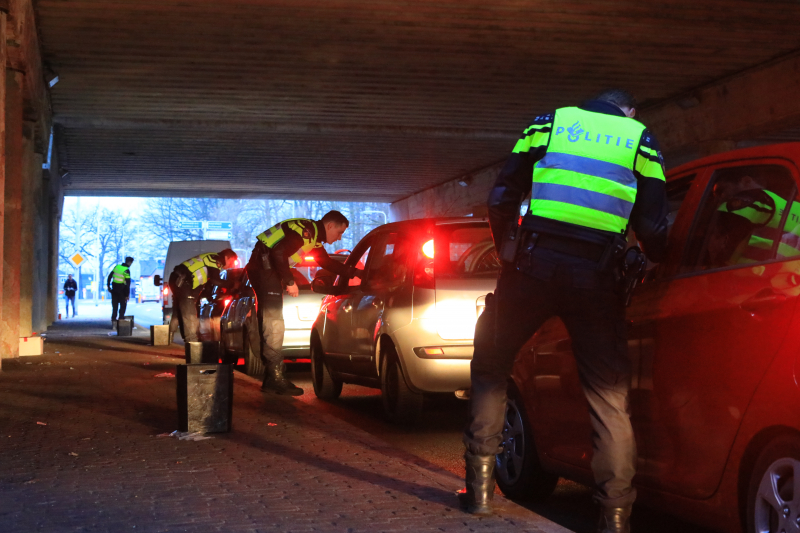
{"x": 120, "y": 272}
{"x": 198, "y": 266}
{"x": 275, "y": 234}
{"x": 586, "y": 177}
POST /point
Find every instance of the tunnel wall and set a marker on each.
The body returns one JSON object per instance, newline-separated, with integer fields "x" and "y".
{"x": 31, "y": 199}
{"x": 461, "y": 196}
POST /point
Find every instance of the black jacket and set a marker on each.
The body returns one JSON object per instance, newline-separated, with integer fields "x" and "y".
{"x": 70, "y": 286}
{"x": 278, "y": 256}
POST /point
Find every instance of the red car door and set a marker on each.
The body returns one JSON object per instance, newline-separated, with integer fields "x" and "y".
{"x": 704, "y": 332}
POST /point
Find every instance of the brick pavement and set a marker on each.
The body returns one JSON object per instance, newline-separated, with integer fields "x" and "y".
{"x": 98, "y": 464}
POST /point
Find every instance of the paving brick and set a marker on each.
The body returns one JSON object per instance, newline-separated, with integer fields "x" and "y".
{"x": 99, "y": 464}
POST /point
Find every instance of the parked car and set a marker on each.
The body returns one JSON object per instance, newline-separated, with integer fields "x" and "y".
{"x": 238, "y": 324}
{"x": 407, "y": 325}
{"x": 213, "y": 304}
{"x": 714, "y": 339}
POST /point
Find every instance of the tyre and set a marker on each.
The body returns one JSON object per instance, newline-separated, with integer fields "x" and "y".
{"x": 400, "y": 404}
{"x": 519, "y": 474}
{"x": 253, "y": 366}
{"x": 325, "y": 387}
{"x": 773, "y": 495}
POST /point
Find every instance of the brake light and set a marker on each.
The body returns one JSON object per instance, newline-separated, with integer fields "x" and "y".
{"x": 227, "y": 302}
{"x": 236, "y": 262}
{"x": 309, "y": 258}
{"x": 427, "y": 249}
{"x": 166, "y": 291}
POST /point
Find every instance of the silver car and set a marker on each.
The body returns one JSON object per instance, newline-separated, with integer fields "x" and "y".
{"x": 407, "y": 325}
{"x": 238, "y": 324}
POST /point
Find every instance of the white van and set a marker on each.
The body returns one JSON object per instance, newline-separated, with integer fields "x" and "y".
{"x": 177, "y": 253}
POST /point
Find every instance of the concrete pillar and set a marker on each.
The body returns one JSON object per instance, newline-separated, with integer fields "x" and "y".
{"x": 53, "y": 219}
{"x": 41, "y": 264}
{"x": 28, "y": 234}
{"x": 3, "y": 61}
{"x": 12, "y": 227}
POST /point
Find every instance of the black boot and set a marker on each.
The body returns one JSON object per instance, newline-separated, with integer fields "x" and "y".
{"x": 480, "y": 484}
{"x": 275, "y": 381}
{"x": 614, "y": 520}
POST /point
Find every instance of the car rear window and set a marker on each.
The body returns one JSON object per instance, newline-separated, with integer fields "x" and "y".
{"x": 465, "y": 251}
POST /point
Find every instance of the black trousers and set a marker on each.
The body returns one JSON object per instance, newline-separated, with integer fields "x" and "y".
{"x": 184, "y": 310}
{"x": 269, "y": 309}
{"x": 119, "y": 302}
{"x": 583, "y": 296}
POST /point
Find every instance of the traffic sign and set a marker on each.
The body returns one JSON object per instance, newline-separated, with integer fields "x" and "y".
{"x": 219, "y": 235}
{"x": 215, "y": 224}
{"x": 191, "y": 224}
{"x": 77, "y": 260}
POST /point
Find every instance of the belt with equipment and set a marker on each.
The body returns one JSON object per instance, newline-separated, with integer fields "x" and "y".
{"x": 575, "y": 247}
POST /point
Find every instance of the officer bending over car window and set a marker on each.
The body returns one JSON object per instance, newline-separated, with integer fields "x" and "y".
{"x": 188, "y": 280}
{"x": 277, "y": 250}
{"x": 592, "y": 170}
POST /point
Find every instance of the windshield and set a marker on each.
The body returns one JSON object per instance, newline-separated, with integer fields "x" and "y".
{"x": 465, "y": 251}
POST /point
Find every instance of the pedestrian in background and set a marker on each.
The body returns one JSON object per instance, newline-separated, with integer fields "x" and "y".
{"x": 591, "y": 171}
{"x": 119, "y": 286}
{"x": 70, "y": 288}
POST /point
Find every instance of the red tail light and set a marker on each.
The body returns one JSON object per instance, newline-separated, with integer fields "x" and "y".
{"x": 427, "y": 249}
{"x": 423, "y": 274}
{"x": 166, "y": 291}
{"x": 226, "y": 303}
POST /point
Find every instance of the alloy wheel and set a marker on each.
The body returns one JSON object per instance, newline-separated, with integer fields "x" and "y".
{"x": 511, "y": 458}
{"x": 777, "y": 505}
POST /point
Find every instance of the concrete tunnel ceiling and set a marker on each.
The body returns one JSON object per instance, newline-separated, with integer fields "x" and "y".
{"x": 360, "y": 100}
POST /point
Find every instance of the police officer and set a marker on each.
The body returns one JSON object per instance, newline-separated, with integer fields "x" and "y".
{"x": 119, "y": 286}
{"x": 277, "y": 250}
{"x": 188, "y": 280}
{"x": 591, "y": 171}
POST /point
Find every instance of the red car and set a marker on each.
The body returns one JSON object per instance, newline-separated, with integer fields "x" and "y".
{"x": 714, "y": 338}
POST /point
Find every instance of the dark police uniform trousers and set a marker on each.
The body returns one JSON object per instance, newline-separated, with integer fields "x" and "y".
{"x": 268, "y": 287}
{"x": 546, "y": 284}
{"x": 184, "y": 307}
{"x": 119, "y": 300}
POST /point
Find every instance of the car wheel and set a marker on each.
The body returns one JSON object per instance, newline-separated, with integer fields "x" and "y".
{"x": 325, "y": 387}
{"x": 253, "y": 366}
{"x": 519, "y": 474}
{"x": 773, "y": 496}
{"x": 400, "y": 403}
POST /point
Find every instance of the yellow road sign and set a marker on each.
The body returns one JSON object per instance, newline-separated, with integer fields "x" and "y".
{"x": 77, "y": 260}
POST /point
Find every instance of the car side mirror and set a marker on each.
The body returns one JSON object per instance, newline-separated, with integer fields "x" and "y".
{"x": 157, "y": 280}
{"x": 324, "y": 283}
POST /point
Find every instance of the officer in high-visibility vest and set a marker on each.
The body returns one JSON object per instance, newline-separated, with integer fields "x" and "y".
{"x": 119, "y": 286}
{"x": 591, "y": 170}
{"x": 277, "y": 250}
{"x": 187, "y": 281}
{"x": 747, "y": 227}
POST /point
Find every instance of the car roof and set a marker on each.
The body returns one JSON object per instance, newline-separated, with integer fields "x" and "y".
{"x": 783, "y": 150}
{"x": 438, "y": 221}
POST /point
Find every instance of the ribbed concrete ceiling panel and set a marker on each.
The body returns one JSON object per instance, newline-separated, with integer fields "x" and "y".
{"x": 356, "y": 99}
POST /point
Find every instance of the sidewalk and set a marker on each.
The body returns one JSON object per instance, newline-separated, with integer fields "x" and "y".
{"x": 80, "y": 451}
